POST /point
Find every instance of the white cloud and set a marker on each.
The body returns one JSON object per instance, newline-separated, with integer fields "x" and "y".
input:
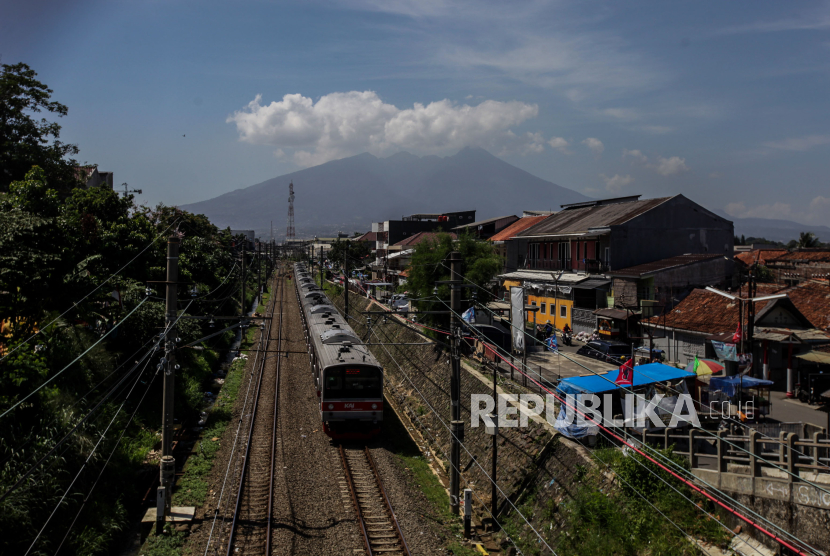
{"x": 670, "y": 166}
{"x": 624, "y": 114}
{"x": 343, "y": 124}
{"x": 594, "y": 144}
{"x": 799, "y": 143}
{"x": 637, "y": 155}
{"x": 616, "y": 182}
{"x": 560, "y": 144}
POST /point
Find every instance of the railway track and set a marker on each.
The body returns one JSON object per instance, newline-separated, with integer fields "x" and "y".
{"x": 381, "y": 533}
{"x": 251, "y": 526}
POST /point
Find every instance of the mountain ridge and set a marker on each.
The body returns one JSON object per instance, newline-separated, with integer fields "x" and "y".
{"x": 350, "y": 193}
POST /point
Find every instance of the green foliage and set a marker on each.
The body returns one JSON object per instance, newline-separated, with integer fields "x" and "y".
{"x": 479, "y": 264}
{"x": 26, "y": 141}
{"x": 169, "y": 543}
{"x": 357, "y": 251}
{"x": 807, "y": 240}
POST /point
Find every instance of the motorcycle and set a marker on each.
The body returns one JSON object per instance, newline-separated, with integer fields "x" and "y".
{"x": 567, "y": 338}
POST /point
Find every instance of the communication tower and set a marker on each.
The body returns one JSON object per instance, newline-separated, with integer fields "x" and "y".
{"x": 289, "y": 233}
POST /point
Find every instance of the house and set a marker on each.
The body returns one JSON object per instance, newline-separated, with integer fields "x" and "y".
{"x": 606, "y": 234}
{"x": 483, "y": 229}
{"x": 758, "y": 256}
{"x": 502, "y": 240}
{"x": 802, "y": 264}
{"x": 399, "y": 254}
{"x": 390, "y": 232}
{"x": 656, "y": 284}
{"x": 706, "y": 320}
{"x": 569, "y": 256}
{"x": 92, "y": 177}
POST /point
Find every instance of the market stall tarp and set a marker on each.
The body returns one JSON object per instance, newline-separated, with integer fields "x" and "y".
{"x": 644, "y": 375}
{"x": 729, "y": 384}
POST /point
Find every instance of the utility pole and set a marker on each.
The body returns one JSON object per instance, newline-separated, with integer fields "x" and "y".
{"x": 494, "y": 493}
{"x": 455, "y": 382}
{"x": 321, "y": 265}
{"x": 346, "y": 281}
{"x": 242, "y": 301}
{"x": 259, "y": 271}
{"x": 167, "y": 467}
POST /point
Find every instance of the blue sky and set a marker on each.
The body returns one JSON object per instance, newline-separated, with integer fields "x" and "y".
{"x": 725, "y": 102}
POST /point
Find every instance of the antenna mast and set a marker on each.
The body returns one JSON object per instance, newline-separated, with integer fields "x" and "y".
{"x": 289, "y": 233}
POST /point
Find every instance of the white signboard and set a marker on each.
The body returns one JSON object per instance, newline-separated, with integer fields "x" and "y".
{"x": 517, "y": 317}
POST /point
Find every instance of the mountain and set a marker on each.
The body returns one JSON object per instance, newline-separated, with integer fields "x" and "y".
{"x": 349, "y": 194}
{"x": 774, "y": 229}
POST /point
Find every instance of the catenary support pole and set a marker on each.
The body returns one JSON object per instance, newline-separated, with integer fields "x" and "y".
{"x": 167, "y": 467}
{"x": 242, "y": 309}
{"x": 455, "y": 381}
{"x": 494, "y": 492}
{"x": 346, "y": 282}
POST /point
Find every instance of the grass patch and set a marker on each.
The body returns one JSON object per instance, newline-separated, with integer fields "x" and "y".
{"x": 192, "y": 488}
{"x": 168, "y": 544}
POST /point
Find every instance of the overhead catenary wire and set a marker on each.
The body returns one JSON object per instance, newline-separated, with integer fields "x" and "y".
{"x": 112, "y": 390}
{"x": 104, "y": 467}
{"x": 74, "y": 360}
{"x": 98, "y": 287}
{"x": 88, "y": 458}
{"x": 725, "y": 417}
{"x": 641, "y": 397}
{"x": 681, "y": 470}
{"x": 487, "y": 475}
{"x": 688, "y": 482}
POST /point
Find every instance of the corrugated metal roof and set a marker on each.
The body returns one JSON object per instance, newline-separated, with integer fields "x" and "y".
{"x": 518, "y": 226}
{"x": 482, "y": 222}
{"x": 664, "y": 264}
{"x": 582, "y": 219}
{"x": 543, "y": 276}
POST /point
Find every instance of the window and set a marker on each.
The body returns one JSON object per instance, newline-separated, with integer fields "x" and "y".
{"x": 563, "y": 311}
{"x": 542, "y": 308}
{"x": 607, "y": 260}
{"x": 564, "y": 251}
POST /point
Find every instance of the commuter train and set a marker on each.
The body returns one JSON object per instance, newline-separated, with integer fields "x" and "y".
{"x": 348, "y": 378}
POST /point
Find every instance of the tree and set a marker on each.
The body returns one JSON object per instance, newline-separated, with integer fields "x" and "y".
{"x": 26, "y": 141}
{"x": 479, "y": 263}
{"x": 356, "y": 250}
{"x": 807, "y": 240}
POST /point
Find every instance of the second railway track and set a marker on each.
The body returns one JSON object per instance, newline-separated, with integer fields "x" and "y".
{"x": 381, "y": 533}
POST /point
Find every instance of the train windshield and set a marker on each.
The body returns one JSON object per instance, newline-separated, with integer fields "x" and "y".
{"x": 353, "y": 382}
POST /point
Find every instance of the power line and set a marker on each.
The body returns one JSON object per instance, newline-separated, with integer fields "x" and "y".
{"x": 114, "y": 448}
{"x": 89, "y": 457}
{"x": 74, "y": 361}
{"x": 74, "y": 304}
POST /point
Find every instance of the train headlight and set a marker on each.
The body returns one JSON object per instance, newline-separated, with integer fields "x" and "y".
{"x": 331, "y": 406}
{"x": 374, "y": 406}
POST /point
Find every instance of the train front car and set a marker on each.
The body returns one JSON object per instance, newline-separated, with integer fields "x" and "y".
{"x": 348, "y": 378}
{"x": 351, "y": 400}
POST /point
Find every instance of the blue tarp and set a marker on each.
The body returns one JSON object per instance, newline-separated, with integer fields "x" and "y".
{"x": 604, "y": 382}
{"x": 729, "y": 385}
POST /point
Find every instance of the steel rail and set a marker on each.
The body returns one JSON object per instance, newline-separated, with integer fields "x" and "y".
{"x": 387, "y": 506}
{"x": 386, "y": 500}
{"x": 274, "y": 428}
{"x": 246, "y": 457}
{"x": 353, "y": 492}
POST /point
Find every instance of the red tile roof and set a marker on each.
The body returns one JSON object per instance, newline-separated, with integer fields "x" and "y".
{"x": 519, "y": 225}
{"x": 708, "y": 312}
{"x": 804, "y": 255}
{"x": 760, "y": 256}
{"x": 368, "y": 236}
{"x": 704, "y": 311}
{"x": 812, "y": 298}
{"x": 421, "y": 236}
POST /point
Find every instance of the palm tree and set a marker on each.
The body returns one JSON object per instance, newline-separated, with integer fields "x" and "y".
{"x": 807, "y": 240}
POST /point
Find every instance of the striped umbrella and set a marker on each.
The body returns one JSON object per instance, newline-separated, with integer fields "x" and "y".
{"x": 704, "y": 367}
